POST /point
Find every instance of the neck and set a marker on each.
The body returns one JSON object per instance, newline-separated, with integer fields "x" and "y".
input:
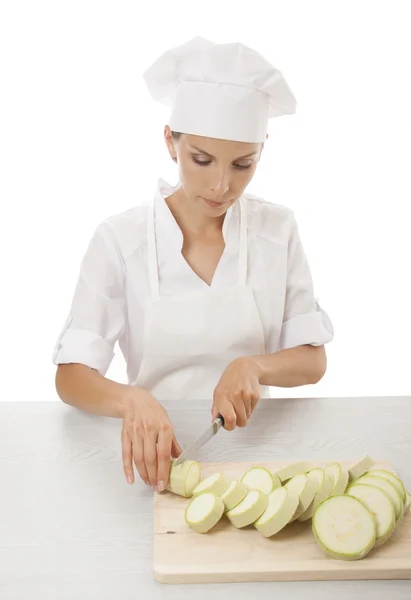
{"x": 190, "y": 219}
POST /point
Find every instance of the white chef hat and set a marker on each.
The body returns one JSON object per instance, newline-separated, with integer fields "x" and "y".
{"x": 226, "y": 91}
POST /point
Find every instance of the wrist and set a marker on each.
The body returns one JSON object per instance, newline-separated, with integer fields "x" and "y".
{"x": 253, "y": 364}
{"x": 129, "y": 398}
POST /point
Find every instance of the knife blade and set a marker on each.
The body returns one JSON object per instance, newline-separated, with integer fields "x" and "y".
{"x": 191, "y": 452}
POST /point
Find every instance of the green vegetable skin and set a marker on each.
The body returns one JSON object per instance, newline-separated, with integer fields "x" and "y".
{"x": 344, "y": 528}
{"x": 352, "y": 510}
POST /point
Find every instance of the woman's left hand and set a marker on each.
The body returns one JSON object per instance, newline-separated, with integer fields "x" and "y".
{"x": 237, "y": 393}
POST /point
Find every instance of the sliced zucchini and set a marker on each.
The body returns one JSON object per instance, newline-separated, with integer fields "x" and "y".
{"x": 407, "y": 503}
{"x": 204, "y": 511}
{"x": 360, "y": 467}
{"x": 260, "y": 478}
{"x": 215, "y": 483}
{"x": 340, "y": 478}
{"x": 379, "y": 504}
{"x": 344, "y": 528}
{"x": 235, "y": 493}
{"x": 306, "y": 487}
{"x": 184, "y": 478}
{"x": 326, "y": 483}
{"x": 392, "y": 478}
{"x": 282, "y": 504}
{"x": 294, "y": 469}
{"x": 249, "y": 509}
{"x": 388, "y": 487}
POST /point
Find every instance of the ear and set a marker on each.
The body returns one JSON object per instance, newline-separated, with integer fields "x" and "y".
{"x": 170, "y": 142}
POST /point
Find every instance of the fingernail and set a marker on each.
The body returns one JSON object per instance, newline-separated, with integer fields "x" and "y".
{"x": 161, "y": 486}
{"x": 130, "y": 479}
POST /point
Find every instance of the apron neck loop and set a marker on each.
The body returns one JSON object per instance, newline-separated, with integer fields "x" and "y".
{"x": 152, "y": 254}
{"x": 242, "y": 259}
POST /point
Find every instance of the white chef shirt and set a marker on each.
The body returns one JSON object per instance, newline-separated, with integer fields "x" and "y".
{"x": 112, "y": 290}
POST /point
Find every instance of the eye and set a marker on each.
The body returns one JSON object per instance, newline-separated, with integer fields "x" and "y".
{"x": 204, "y": 163}
{"x": 242, "y": 166}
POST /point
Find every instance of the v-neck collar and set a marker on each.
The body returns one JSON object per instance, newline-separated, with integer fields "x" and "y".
{"x": 168, "y": 229}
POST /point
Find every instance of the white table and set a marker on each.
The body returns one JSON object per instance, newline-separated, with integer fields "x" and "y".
{"x": 72, "y": 528}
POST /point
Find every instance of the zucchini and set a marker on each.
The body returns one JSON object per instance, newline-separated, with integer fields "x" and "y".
{"x": 249, "y": 509}
{"x": 344, "y": 528}
{"x": 204, "y": 511}
{"x": 260, "y": 478}
{"x": 215, "y": 483}
{"x": 235, "y": 493}
{"x": 381, "y": 507}
{"x": 282, "y": 504}
{"x": 184, "y": 478}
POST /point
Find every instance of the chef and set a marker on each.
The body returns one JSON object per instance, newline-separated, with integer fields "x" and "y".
{"x": 205, "y": 287}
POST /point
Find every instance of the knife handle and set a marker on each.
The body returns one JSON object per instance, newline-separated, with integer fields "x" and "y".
{"x": 219, "y": 416}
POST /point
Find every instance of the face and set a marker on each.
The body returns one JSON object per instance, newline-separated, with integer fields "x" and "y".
{"x": 213, "y": 173}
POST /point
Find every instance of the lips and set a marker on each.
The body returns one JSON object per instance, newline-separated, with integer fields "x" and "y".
{"x": 215, "y": 204}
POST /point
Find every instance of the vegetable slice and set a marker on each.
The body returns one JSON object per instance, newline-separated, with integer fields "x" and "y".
{"x": 249, "y": 509}
{"x": 380, "y": 505}
{"x": 294, "y": 469}
{"x": 282, "y": 504}
{"x": 344, "y": 528}
{"x": 392, "y": 478}
{"x": 360, "y": 467}
{"x": 340, "y": 478}
{"x": 388, "y": 487}
{"x": 326, "y": 483}
{"x": 204, "y": 511}
{"x": 235, "y": 493}
{"x": 215, "y": 483}
{"x": 407, "y": 503}
{"x": 184, "y": 478}
{"x": 260, "y": 478}
{"x": 306, "y": 488}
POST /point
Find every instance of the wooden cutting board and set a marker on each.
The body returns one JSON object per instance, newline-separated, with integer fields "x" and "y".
{"x": 227, "y": 554}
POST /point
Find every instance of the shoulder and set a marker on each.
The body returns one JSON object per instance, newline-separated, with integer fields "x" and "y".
{"x": 125, "y": 231}
{"x": 268, "y": 220}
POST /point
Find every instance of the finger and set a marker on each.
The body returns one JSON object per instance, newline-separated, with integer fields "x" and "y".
{"x": 247, "y": 406}
{"x": 165, "y": 439}
{"x": 248, "y": 403}
{"x": 176, "y": 449}
{"x": 214, "y": 412}
{"x": 127, "y": 457}
{"x": 138, "y": 456}
{"x": 255, "y": 398}
{"x": 241, "y": 413}
{"x": 150, "y": 455}
{"x": 226, "y": 409}
{"x": 238, "y": 398}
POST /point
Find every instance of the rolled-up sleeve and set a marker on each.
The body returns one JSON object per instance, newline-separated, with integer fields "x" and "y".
{"x": 304, "y": 321}
{"x": 97, "y": 313}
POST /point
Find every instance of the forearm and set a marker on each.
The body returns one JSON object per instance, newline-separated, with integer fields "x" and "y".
{"x": 84, "y": 388}
{"x": 293, "y": 367}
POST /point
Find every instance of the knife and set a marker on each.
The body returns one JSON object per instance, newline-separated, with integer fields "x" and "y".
{"x": 191, "y": 452}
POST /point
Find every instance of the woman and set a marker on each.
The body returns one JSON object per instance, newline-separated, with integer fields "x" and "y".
{"x": 205, "y": 287}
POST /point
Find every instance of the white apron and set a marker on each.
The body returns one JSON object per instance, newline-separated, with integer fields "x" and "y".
{"x": 190, "y": 339}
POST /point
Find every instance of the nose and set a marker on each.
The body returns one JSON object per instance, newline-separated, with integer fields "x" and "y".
{"x": 220, "y": 185}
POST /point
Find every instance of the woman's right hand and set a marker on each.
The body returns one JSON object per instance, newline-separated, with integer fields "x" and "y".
{"x": 148, "y": 439}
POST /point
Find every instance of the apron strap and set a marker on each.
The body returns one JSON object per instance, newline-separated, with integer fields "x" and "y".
{"x": 242, "y": 259}
{"x": 152, "y": 254}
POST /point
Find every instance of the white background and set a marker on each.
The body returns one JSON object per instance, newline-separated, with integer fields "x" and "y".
{"x": 81, "y": 139}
